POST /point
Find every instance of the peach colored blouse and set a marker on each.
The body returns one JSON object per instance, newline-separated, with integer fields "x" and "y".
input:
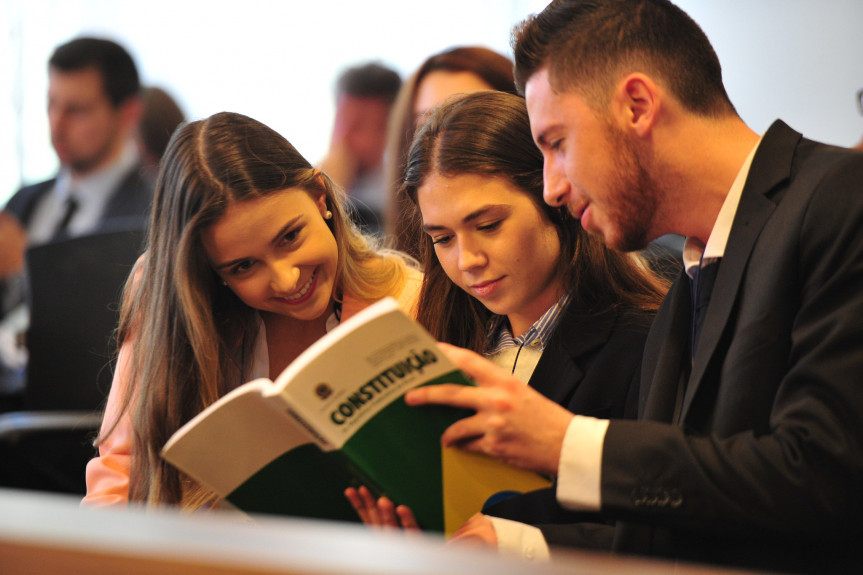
{"x": 108, "y": 474}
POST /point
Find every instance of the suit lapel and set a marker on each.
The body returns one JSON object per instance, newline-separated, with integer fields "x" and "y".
{"x": 770, "y": 167}
{"x": 559, "y": 365}
{"x": 130, "y": 197}
{"x": 665, "y": 355}
{"x": 24, "y": 205}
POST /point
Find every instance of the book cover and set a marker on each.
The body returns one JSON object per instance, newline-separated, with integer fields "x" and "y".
{"x": 335, "y": 418}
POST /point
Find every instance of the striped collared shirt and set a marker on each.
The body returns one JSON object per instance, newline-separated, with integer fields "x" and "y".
{"x": 500, "y": 337}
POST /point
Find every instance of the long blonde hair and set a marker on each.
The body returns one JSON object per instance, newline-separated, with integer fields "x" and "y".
{"x": 192, "y": 338}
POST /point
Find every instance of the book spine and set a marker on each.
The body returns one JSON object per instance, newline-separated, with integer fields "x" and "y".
{"x": 320, "y": 439}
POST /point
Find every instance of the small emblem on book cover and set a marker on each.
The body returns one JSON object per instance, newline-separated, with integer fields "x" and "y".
{"x": 323, "y": 390}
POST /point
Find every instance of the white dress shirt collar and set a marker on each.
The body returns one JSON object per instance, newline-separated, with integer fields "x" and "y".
{"x": 92, "y": 192}
{"x": 695, "y": 252}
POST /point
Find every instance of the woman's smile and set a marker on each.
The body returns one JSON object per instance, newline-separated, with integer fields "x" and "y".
{"x": 304, "y": 293}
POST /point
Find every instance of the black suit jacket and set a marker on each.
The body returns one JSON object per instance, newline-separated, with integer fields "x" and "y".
{"x": 762, "y": 464}
{"x": 127, "y": 209}
{"x": 128, "y": 206}
{"x": 591, "y": 366}
{"x": 592, "y": 363}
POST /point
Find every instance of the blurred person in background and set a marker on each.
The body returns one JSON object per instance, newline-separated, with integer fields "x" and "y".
{"x": 462, "y": 69}
{"x": 859, "y": 145}
{"x": 160, "y": 116}
{"x": 364, "y": 97}
{"x": 94, "y": 105}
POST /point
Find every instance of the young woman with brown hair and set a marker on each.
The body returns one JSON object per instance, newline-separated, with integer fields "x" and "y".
{"x": 508, "y": 276}
{"x": 250, "y": 259}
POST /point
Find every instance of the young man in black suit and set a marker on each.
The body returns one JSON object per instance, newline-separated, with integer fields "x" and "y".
{"x": 748, "y": 450}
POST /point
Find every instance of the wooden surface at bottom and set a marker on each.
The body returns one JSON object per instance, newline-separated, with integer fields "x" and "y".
{"x": 51, "y": 534}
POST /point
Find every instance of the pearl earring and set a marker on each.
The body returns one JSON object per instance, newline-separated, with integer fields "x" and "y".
{"x": 328, "y": 215}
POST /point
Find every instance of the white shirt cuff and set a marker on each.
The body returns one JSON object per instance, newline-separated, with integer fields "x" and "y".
{"x": 579, "y": 471}
{"x": 520, "y": 540}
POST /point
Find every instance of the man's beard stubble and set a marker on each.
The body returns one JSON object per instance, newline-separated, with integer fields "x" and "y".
{"x": 636, "y": 195}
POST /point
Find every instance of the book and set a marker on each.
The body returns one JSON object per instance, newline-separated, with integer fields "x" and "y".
{"x": 336, "y": 418}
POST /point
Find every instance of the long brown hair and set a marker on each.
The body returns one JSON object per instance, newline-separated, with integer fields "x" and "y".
{"x": 193, "y": 338}
{"x": 491, "y": 67}
{"x": 488, "y": 133}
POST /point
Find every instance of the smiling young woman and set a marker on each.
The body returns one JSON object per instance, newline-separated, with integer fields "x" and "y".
{"x": 250, "y": 259}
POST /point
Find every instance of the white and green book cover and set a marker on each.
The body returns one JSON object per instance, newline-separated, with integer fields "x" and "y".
{"x": 336, "y": 418}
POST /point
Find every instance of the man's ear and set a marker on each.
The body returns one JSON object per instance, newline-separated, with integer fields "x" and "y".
{"x": 130, "y": 112}
{"x": 635, "y": 103}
